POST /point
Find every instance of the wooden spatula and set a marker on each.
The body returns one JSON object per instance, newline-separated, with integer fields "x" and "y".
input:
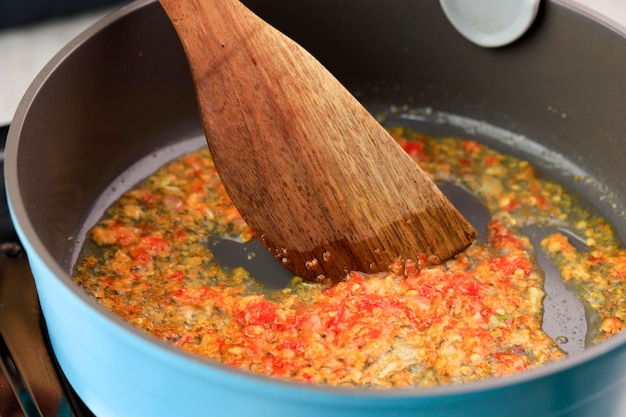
{"x": 318, "y": 179}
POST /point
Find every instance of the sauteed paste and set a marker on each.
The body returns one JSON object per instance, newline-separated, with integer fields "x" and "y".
{"x": 474, "y": 317}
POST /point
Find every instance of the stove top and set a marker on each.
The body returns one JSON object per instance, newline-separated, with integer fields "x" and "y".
{"x": 31, "y": 382}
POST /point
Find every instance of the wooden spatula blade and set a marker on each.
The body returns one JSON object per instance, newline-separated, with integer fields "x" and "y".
{"x": 325, "y": 187}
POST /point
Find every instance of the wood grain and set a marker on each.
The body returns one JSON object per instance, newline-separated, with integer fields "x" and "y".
{"x": 323, "y": 185}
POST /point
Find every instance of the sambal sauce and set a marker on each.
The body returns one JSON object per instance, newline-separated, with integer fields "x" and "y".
{"x": 474, "y": 317}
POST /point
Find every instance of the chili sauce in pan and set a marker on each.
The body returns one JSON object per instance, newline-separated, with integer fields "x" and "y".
{"x": 474, "y": 317}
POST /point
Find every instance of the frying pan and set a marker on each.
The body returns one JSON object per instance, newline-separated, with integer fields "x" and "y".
{"x": 118, "y": 101}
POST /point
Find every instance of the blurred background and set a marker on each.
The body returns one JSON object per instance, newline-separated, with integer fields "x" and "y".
{"x": 23, "y": 12}
{"x": 31, "y": 32}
